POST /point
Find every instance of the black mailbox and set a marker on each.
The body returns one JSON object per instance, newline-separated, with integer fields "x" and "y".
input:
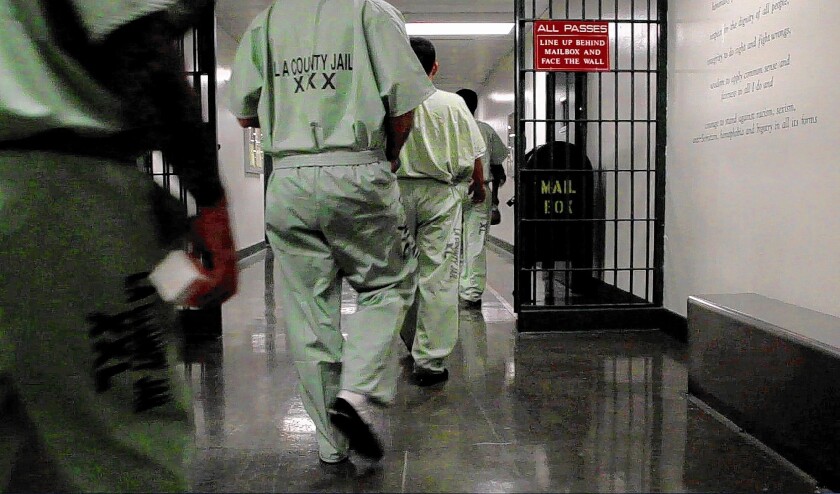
{"x": 558, "y": 185}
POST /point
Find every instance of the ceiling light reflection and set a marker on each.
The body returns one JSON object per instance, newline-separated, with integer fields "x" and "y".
{"x": 458, "y": 28}
{"x": 503, "y": 97}
{"x": 223, "y": 74}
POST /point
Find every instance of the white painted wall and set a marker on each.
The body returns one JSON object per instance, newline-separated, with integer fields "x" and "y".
{"x": 759, "y": 212}
{"x": 245, "y": 191}
{"x": 495, "y": 104}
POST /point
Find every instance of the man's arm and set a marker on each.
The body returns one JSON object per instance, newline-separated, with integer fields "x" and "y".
{"x": 402, "y": 82}
{"x": 397, "y": 130}
{"x": 471, "y": 143}
{"x": 477, "y": 189}
{"x": 499, "y": 179}
{"x": 495, "y": 191}
{"x": 249, "y": 122}
{"x": 499, "y": 152}
{"x": 246, "y": 82}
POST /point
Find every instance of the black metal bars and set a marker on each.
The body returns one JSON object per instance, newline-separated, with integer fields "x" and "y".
{"x": 590, "y": 180}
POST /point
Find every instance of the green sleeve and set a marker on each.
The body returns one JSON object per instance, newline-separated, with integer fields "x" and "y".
{"x": 498, "y": 152}
{"x": 246, "y": 80}
{"x": 475, "y": 146}
{"x": 401, "y": 80}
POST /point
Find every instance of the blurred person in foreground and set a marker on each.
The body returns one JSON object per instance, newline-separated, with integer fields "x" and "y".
{"x": 91, "y": 395}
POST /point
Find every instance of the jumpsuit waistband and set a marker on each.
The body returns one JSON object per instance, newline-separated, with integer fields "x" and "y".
{"x": 330, "y": 158}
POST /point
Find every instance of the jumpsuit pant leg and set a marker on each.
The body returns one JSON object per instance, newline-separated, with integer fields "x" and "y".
{"x": 87, "y": 346}
{"x": 369, "y": 238}
{"x": 327, "y": 223}
{"x": 474, "y": 249}
{"x": 436, "y": 212}
{"x": 309, "y": 290}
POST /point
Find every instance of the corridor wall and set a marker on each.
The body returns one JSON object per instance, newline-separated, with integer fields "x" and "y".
{"x": 245, "y": 191}
{"x": 752, "y": 201}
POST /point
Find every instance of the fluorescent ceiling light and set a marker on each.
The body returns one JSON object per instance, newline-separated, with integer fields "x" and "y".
{"x": 502, "y": 97}
{"x": 223, "y": 74}
{"x": 458, "y": 28}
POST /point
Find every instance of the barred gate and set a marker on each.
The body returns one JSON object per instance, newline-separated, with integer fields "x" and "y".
{"x": 590, "y": 173}
{"x": 199, "y": 53}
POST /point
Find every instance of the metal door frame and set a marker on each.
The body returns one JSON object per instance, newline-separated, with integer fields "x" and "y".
{"x": 199, "y": 55}
{"x": 570, "y": 318}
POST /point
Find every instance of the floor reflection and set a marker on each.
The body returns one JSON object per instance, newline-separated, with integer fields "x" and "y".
{"x": 203, "y": 362}
{"x": 592, "y": 412}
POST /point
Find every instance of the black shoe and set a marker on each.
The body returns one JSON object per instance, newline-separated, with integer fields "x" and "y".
{"x": 344, "y": 459}
{"x": 362, "y": 439}
{"x": 428, "y": 378}
{"x": 495, "y": 216}
{"x": 471, "y": 304}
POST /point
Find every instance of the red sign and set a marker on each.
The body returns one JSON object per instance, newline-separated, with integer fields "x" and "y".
{"x": 572, "y": 46}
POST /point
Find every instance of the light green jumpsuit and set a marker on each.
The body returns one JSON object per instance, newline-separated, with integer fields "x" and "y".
{"x": 437, "y": 163}
{"x": 321, "y": 77}
{"x": 476, "y": 223}
{"x": 85, "y": 348}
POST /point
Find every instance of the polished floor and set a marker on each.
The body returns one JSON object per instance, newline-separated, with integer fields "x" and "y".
{"x": 594, "y": 412}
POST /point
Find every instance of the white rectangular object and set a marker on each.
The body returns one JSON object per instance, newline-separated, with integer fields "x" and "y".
{"x": 174, "y": 275}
